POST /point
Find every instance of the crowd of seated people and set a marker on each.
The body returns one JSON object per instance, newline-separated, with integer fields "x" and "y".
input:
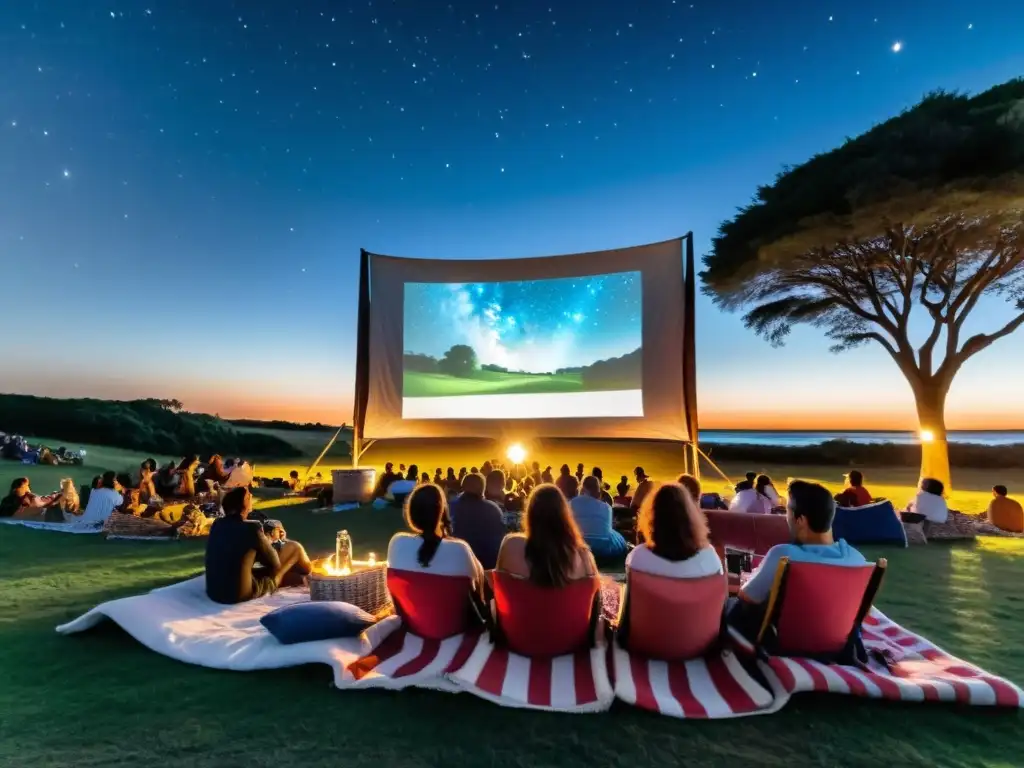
{"x": 17, "y": 448}
{"x": 146, "y": 494}
{"x": 550, "y": 552}
{"x": 553, "y": 550}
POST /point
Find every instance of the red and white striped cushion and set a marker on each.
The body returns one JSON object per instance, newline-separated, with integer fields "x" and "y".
{"x": 576, "y": 682}
{"x": 918, "y": 671}
{"x": 708, "y": 688}
{"x": 402, "y": 659}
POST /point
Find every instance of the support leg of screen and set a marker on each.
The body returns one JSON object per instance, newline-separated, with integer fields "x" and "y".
{"x": 359, "y": 447}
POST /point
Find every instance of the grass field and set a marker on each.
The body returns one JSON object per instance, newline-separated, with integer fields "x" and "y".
{"x": 419, "y": 384}
{"x": 102, "y": 699}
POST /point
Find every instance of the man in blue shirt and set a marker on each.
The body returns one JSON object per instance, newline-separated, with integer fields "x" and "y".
{"x": 810, "y": 512}
{"x": 594, "y": 519}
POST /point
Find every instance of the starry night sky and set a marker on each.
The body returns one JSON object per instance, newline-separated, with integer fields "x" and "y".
{"x": 186, "y": 185}
{"x": 536, "y": 326}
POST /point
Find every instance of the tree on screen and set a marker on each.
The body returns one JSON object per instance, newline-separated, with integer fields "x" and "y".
{"x": 893, "y": 238}
{"x": 460, "y": 360}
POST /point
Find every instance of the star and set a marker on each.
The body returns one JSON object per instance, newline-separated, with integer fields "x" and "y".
{"x": 67, "y": 173}
{"x": 897, "y": 47}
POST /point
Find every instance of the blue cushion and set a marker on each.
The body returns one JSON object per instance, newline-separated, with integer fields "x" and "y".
{"x": 308, "y": 622}
{"x": 877, "y": 523}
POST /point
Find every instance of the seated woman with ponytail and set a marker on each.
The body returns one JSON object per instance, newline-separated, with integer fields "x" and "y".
{"x": 430, "y": 546}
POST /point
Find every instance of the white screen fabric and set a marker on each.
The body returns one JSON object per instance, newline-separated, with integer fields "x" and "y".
{"x": 654, "y": 411}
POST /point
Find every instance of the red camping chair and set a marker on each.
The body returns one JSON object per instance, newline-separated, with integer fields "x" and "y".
{"x": 671, "y": 619}
{"x": 431, "y": 605}
{"x": 545, "y": 621}
{"x": 815, "y": 610}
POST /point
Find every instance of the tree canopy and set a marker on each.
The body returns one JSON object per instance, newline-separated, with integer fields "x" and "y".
{"x": 922, "y": 213}
{"x": 460, "y": 360}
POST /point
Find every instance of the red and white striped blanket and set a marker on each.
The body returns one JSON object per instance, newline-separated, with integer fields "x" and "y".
{"x": 917, "y": 670}
{"x": 711, "y": 688}
{"x": 179, "y": 621}
{"x": 472, "y": 663}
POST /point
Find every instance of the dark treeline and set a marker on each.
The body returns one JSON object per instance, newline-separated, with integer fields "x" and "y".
{"x": 849, "y": 454}
{"x": 144, "y": 425}
{"x": 286, "y": 425}
{"x": 624, "y": 372}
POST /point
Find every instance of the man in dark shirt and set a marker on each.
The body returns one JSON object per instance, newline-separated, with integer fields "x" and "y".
{"x": 236, "y": 545}
{"x": 478, "y": 521}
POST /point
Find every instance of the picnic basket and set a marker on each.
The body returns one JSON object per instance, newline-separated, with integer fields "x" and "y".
{"x": 365, "y": 587}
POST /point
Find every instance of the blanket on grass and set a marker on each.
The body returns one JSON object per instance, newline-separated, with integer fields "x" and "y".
{"x": 916, "y": 670}
{"x": 903, "y": 667}
{"x": 39, "y": 525}
{"x": 180, "y": 622}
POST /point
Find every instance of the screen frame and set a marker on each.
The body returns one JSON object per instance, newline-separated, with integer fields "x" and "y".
{"x": 380, "y": 345}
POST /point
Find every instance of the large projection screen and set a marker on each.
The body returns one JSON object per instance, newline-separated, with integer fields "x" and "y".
{"x": 585, "y": 345}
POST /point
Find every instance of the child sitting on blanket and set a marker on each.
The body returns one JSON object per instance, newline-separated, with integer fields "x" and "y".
{"x": 237, "y": 546}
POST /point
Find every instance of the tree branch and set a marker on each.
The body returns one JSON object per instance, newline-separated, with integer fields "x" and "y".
{"x": 974, "y": 345}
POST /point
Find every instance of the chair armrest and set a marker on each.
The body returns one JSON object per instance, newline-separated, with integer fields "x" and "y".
{"x": 596, "y": 608}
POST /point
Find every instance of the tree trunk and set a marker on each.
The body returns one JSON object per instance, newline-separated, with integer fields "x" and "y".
{"x": 931, "y": 415}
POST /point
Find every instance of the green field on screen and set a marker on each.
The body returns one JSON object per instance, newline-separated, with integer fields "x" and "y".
{"x": 419, "y": 384}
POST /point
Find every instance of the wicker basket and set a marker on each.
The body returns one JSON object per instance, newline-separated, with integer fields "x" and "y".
{"x": 366, "y": 588}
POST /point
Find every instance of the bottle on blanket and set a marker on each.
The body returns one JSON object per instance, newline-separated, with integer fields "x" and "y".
{"x": 343, "y": 551}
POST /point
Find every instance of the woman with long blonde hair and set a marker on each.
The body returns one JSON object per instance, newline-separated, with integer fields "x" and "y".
{"x": 69, "y": 502}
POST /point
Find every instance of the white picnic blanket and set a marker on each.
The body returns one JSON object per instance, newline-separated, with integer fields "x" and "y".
{"x": 181, "y": 622}
{"x": 39, "y": 525}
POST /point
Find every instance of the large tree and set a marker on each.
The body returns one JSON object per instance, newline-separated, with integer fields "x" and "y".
{"x": 894, "y": 238}
{"x": 460, "y": 360}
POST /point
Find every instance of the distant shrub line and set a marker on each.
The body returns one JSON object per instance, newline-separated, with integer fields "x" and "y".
{"x": 148, "y": 426}
{"x": 850, "y": 454}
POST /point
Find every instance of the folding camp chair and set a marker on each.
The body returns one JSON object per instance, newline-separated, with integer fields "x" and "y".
{"x": 815, "y": 610}
{"x": 545, "y": 621}
{"x": 671, "y": 619}
{"x": 433, "y": 606}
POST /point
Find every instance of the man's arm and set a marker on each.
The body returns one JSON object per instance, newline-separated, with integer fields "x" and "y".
{"x": 759, "y": 587}
{"x": 266, "y": 555}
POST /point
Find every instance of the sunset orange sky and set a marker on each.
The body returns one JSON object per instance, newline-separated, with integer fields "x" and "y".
{"x": 742, "y": 384}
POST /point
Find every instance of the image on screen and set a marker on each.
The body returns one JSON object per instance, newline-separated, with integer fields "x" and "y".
{"x": 531, "y": 349}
